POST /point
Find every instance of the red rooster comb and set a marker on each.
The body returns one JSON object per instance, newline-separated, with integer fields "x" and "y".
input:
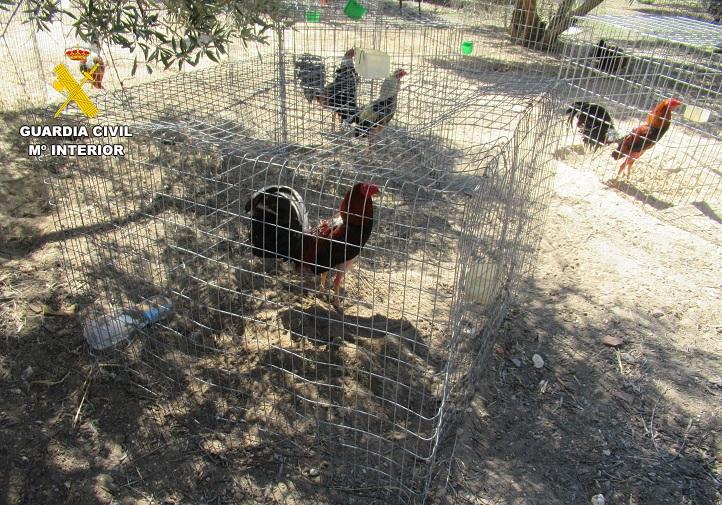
{"x": 368, "y": 189}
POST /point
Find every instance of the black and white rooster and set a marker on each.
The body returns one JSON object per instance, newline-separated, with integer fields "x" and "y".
{"x": 340, "y": 94}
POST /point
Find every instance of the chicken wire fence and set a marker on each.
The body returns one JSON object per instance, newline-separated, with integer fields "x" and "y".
{"x": 23, "y": 85}
{"x": 704, "y": 10}
{"x": 258, "y": 369}
{"x": 617, "y": 69}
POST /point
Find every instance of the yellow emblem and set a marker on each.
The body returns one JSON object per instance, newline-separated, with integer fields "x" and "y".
{"x": 74, "y": 89}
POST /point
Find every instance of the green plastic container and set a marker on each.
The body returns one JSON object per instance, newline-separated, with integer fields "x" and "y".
{"x": 313, "y": 16}
{"x": 354, "y": 10}
{"x": 467, "y": 47}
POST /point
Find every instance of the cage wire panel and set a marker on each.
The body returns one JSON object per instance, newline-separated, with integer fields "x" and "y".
{"x": 385, "y": 12}
{"x": 24, "y": 84}
{"x": 646, "y": 59}
{"x": 257, "y": 360}
{"x": 703, "y": 10}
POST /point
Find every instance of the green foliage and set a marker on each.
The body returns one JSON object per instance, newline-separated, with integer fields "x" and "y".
{"x": 165, "y": 31}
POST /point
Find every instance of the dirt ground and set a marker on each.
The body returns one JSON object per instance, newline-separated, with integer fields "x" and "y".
{"x": 640, "y": 426}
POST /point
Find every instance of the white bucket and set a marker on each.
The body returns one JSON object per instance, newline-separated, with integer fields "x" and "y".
{"x": 371, "y": 64}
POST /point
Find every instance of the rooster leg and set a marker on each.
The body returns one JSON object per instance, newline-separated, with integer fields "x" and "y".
{"x": 323, "y": 280}
{"x": 626, "y": 163}
{"x": 339, "y": 278}
{"x": 337, "y": 281}
{"x": 630, "y": 161}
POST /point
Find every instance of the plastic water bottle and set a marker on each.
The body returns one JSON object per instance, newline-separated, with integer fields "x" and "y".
{"x": 107, "y": 330}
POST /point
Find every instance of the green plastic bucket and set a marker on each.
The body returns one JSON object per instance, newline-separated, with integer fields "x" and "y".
{"x": 313, "y": 16}
{"x": 354, "y": 10}
{"x": 467, "y": 47}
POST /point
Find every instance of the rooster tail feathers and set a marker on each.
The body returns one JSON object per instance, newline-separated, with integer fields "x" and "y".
{"x": 576, "y": 109}
{"x": 294, "y": 198}
{"x": 572, "y": 112}
{"x": 612, "y": 136}
{"x": 278, "y": 220}
{"x": 310, "y": 71}
{"x": 617, "y": 153}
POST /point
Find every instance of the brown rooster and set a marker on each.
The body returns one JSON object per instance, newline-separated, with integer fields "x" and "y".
{"x": 645, "y": 136}
{"x": 334, "y": 245}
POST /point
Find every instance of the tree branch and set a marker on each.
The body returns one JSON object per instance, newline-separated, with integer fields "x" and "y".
{"x": 564, "y": 17}
{"x": 586, "y": 7}
{"x": 10, "y": 20}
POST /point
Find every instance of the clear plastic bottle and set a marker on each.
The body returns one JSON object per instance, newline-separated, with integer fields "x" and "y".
{"x": 107, "y": 330}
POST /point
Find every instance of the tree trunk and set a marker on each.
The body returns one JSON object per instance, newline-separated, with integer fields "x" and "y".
{"x": 526, "y": 27}
{"x": 529, "y": 30}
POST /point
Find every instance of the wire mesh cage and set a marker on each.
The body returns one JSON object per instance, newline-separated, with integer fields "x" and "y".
{"x": 703, "y": 10}
{"x": 384, "y": 12}
{"x": 23, "y": 85}
{"x": 618, "y": 70}
{"x": 260, "y": 365}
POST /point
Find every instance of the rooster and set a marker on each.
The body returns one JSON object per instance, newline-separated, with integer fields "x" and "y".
{"x": 609, "y": 58}
{"x": 376, "y": 115}
{"x": 334, "y": 245}
{"x": 280, "y": 229}
{"x": 594, "y": 123}
{"x": 340, "y": 95}
{"x": 597, "y": 129}
{"x": 645, "y": 136}
{"x": 96, "y": 78}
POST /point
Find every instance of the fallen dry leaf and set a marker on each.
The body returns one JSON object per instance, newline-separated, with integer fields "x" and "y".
{"x": 612, "y": 341}
{"x": 65, "y": 311}
{"x": 36, "y": 307}
{"x": 623, "y": 396}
